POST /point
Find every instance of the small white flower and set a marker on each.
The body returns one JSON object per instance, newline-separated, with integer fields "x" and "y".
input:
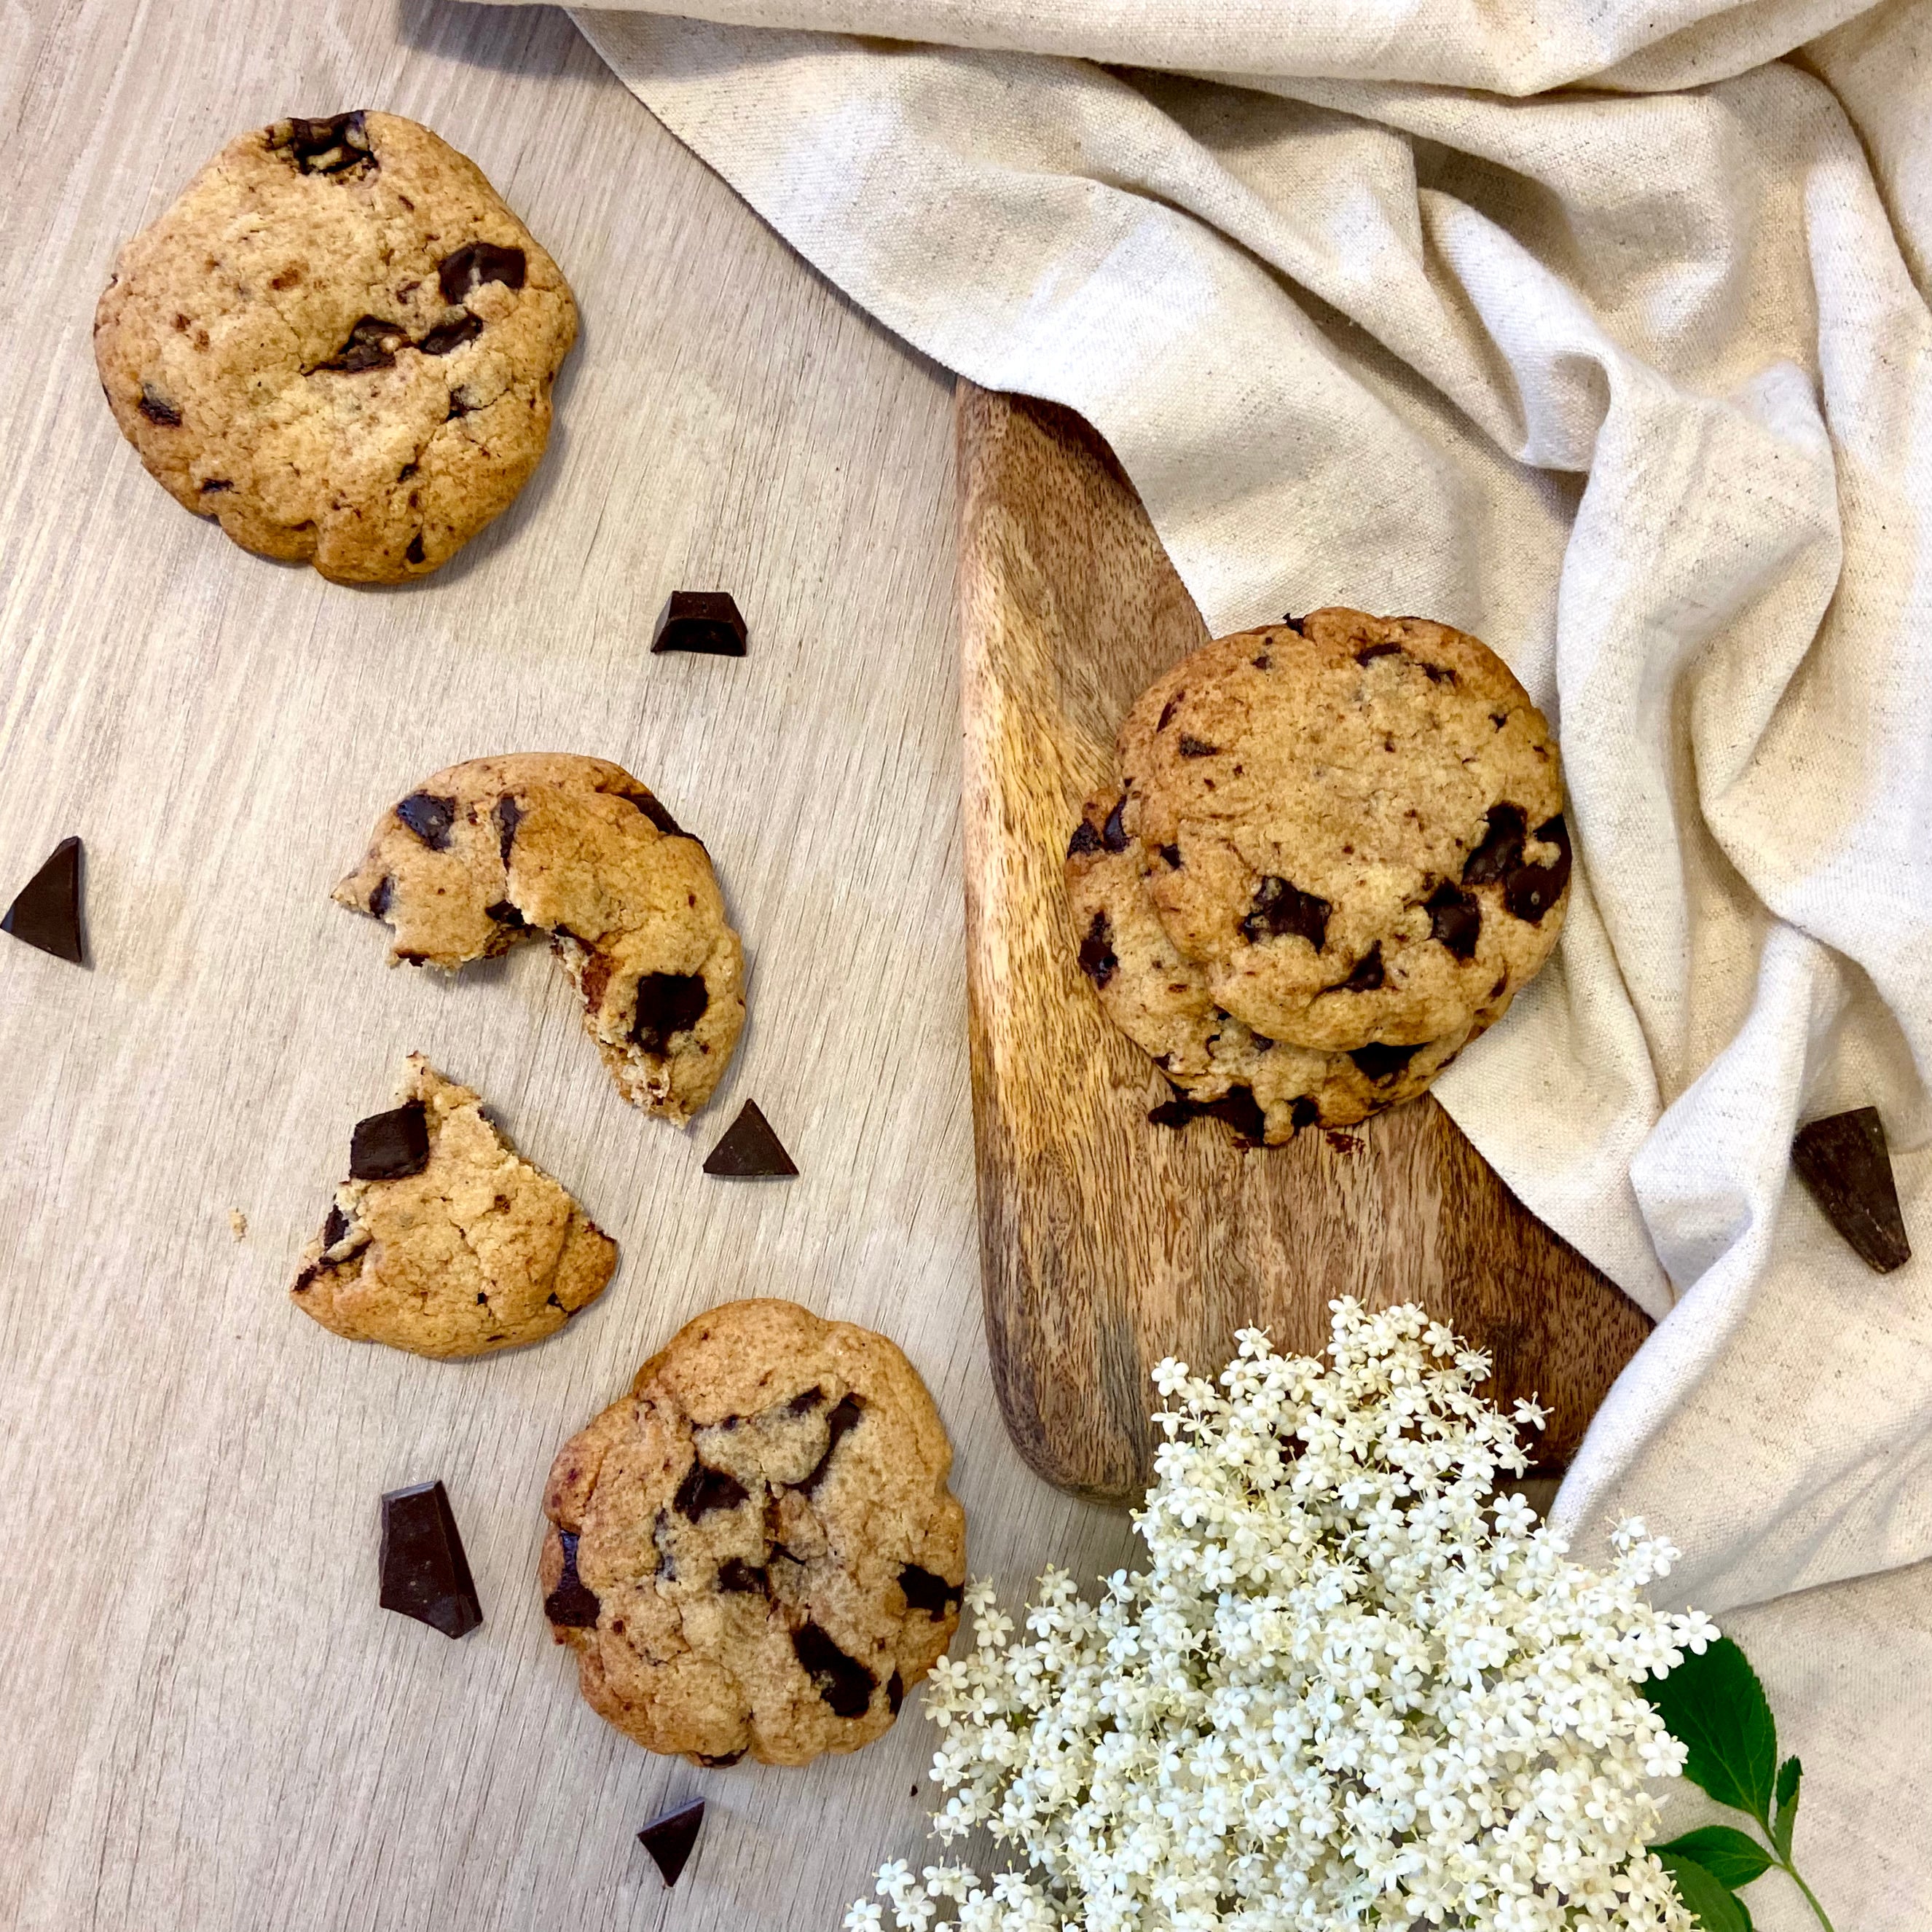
{"x": 1352, "y": 1686}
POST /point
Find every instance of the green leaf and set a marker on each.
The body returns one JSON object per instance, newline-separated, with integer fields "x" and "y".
{"x": 1714, "y": 1704}
{"x": 1728, "y": 1856}
{"x": 1713, "y": 1907}
{"x": 1789, "y": 1773}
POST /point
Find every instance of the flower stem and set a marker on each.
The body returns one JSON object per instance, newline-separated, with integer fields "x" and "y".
{"x": 1810, "y": 1897}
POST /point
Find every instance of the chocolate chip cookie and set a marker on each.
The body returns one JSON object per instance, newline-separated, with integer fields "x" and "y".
{"x": 1267, "y": 1089}
{"x": 497, "y": 850}
{"x": 340, "y": 344}
{"x": 443, "y": 1240}
{"x": 755, "y": 1551}
{"x": 1353, "y": 826}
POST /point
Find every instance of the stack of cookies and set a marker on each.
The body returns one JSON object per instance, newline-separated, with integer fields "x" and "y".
{"x": 1334, "y": 853}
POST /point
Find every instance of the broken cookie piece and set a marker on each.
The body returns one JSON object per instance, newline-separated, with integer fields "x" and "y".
{"x": 464, "y": 1250}
{"x": 486, "y": 855}
{"x": 755, "y": 1551}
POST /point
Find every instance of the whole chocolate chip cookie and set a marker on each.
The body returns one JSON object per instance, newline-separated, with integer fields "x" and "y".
{"x": 755, "y": 1551}
{"x": 1353, "y": 826}
{"x": 502, "y": 849}
{"x": 443, "y": 1240}
{"x": 339, "y": 343}
{"x": 1265, "y": 1089}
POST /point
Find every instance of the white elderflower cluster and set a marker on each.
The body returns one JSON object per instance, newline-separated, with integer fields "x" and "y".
{"x": 1353, "y": 1686}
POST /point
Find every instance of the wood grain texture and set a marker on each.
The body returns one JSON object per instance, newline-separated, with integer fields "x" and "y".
{"x": 205, "y": 1722}
{"x": 1106, "y": 1242}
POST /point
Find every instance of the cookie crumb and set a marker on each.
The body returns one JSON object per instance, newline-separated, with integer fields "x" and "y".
{"x": 238, "y": 1224}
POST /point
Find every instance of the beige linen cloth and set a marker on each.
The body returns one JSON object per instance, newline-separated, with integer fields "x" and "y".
{"x": 1599, "y": 328}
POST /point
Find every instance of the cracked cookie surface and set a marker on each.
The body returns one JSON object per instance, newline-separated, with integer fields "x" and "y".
{"x": 339, "y": 343}
{"x": 444, "y": 1240}
{"x": 755, "y": 1551}
{"x": 1266, "y": 1089}
{"x": 497, "y": 851}
{"x": 1354, "y": 827}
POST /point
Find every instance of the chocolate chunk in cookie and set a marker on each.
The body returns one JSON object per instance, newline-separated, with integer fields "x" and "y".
{"x": 340, "y": 344}
{"x": 46, "y": 911}
{"x": 443, "y": 1240}
{"x": 488, "y": 854}
{"x": 765, "y": 1527}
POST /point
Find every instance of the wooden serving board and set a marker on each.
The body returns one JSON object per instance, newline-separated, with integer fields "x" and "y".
{"x": 1107, "y": 1242}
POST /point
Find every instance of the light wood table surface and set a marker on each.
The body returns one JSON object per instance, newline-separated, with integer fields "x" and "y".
{"x": 205, "y": 1721}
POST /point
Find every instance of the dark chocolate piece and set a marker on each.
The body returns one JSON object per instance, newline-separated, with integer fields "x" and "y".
{"x": 667, "y": 1003}
{"x": 704, "y": 621}
{"x": 508, "y": 815}
{"x": 704, "y": 1489}
{"x": 1191, "y": 747}
{"x": 925, "y": 1591}
{"x": 1279, "y": 907}
{"x": 1436, "y": 673}
{"x": 1530, "y": 891}
{"x": 391, "y": 1146}
{"x": 1085, "y": 839}
{"x": 1168, "y": 710}
{"x": 1263, "y": 662}
{"x": 669, "y": 1839}
{"x": 749, "y": 1150}
{"x": 843, "y": 1681}
{"x": 425, "y": 1574}
{"x": 1843, "y": 1162}
{"x": 476, "y": 262}
{"x": 657, "y": 814}
{"x": 1098, "y": 960}
{"x": 215, "y": 483}
{"x": 717, "y": 1763}
{"x": 1370, "y": 653}
{"x": 379, "y": 899}
{"x": 1501, "y": 851}
{"x": 1293, "y": 622}
{"x": 735, "y": 1573}
{"x": 840, "y": 1424}
{"x": 46, "y": 911}
{"x": 895, "y": 1697}
{"x": 448, "y": 336}
{"x": 330, "y": 146}
{"x": 1238, "y": 1109}
{"x": 805, "y": 1401}
{"x": 334, "y": 1227}
{"x": 504, "y": 913}
{"x": 430, "y": 817}
{"x": 372, "y": 344}
{"x": 1455, "y": 918}
{"x": 157, "y": 408}
{"x": 1114, "y": 833}
{"x": 1305, "y": 1113}
{"x": 415, "y": 552}
{"x": 573, "y": 1604}
{"x": 1367, "y": 975}
{"x": 1384, "y": 1063}
{"x": 1171, "y": 854}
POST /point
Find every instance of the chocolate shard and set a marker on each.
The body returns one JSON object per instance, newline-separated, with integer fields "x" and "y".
{"x": 504, "y": 914}
{"x": 1280, "y": 908}
{"x": 805, "y": 1401}
{"x": 749, "y": 1150}
{"x": 476, "y": 262}
{"x": 840, "y": 1424}
{"x": 1114, "y": 833}
{"x": 707, "y": 622}
{"x": 157, "y": 408}
{"x": 1191, "y": 747}
{"x": 334, "y": 1227}
{"x": 391, "y": 1146}
{"x": 735, "y": 1574}
{"x": 372, "y": 344}
{"x": 1171, "y": 855}
{"x": 1380, "y": 1062}
{"x": 704, "y": 1489}
{"x": 430, "y": 817}
{"x": 1168, "y": 710}
{"x": 1238, "y": 1109}
{"x": 508, "y": 814}
{"x": 1305, "y": 1113}
{"x": 667, "y": 1003}
{"x": 330, "y": 145}
{"x": 1367, "y": 975}
{"x": 1085, "y": 839}
{"x": 46, "y": 912}
{"x": 1370, "y": 653}
{"x": 1098, "y": 960}
{"x": 925, "y": 1591}
{"x": 425, "y": 1574}
{"x": 1500, "y": 852}
{"x": 446, "y": 338}
{"x": 895, "y": 1695}
{"x": 1843, "y": 1161}
{"x": 843, "y": 1681}
{"x": 573, "y": 1604}
{"x": 1530, "y": 891}
{"x": 1455, "y": 919}
{"x": 669, "y": 1839}
{"x": 657, "y": 814}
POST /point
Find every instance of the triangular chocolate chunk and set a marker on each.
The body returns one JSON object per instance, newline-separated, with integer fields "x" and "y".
{"x": 749, "y": 1150}
{"x": 47, "y": 912}
{"x": 669, "y": 1839}
{"x": 1843, "y": 1160}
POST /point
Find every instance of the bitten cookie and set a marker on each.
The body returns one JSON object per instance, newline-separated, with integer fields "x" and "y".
{"x": 443, "y": 1240}
{"x": 1354, "y": 827}
{"x": 500, "y": 850}
{"x": 755, "y": 1551}
{"x": 1265, "y": 1089}
{"x": 339, "y": 343}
